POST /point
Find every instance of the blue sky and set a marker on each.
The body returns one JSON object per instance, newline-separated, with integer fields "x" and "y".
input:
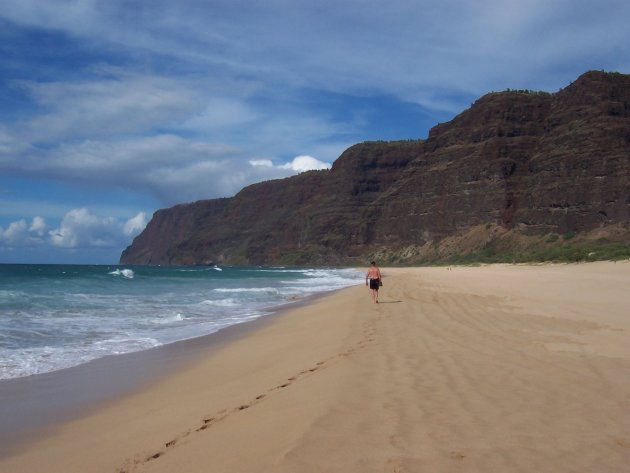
{"x": 113, "y": 109}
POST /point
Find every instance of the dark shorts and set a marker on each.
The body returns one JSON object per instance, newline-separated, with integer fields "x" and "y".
{"x": 374, "y": 284}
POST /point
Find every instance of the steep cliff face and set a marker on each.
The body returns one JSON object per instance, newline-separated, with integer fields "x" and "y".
{"x": 160, "y": 241}
{"x": 548, "y": 163}
{"x": 579, "y": 174}
{"x": 539, "y": 162}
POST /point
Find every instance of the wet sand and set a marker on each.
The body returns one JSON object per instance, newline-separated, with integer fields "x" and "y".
{"x": 31, "y": 405}
{"x": 498, "y": 368}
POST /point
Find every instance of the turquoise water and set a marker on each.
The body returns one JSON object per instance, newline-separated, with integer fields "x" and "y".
{"x": 56, "y": 316}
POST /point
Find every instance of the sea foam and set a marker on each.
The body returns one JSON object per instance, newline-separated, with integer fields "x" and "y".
{"x": 125, "y": 273}
{"x": 54, "y": 317}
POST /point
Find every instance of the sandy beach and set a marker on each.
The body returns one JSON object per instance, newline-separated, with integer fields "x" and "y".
{"x": 465, "y": 369}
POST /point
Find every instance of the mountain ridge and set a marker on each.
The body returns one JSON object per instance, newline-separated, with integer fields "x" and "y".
{"x": 516, "y": 165}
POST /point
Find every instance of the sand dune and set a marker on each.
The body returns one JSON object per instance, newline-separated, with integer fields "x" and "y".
{"x": 490, "y": 369}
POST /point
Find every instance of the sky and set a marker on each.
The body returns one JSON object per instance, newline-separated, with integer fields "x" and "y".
{"x": 111, "y": 109}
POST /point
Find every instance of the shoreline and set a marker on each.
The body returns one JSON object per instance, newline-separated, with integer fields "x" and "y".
{"x": 31, "y": 406}
{"x": 495, "y": 368}
{"x": 37, "y": 403}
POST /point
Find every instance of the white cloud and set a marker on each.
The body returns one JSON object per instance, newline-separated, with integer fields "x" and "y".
{"x": 15, "y": 233}
{"x": 222, "y": 112}
{"x": 109, "y": 131}
{"x": 298, "y": 164}
{"x": 113, "y": 103}
{"x": 458, "y": 44}
{"x": 174, "y": 169}
{"x": 135, "y": 225}
{"x": 305, "y": 163}
{"x": 79, "y": 228}
{"x": 69, "y": 15}
{"x": 130, "y": 159}
{"x": 21, "y": 234}
{"x": 267, "y": 163}
{"x": 38, "y": 227}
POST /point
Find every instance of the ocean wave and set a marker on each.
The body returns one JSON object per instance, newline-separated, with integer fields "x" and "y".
{"x": 199, "y": 270}
{"x": 229, "y": 302}
{"x": 247, "y": 289}
{"x": 169, "y": 320}
{"x": 125, "y": 273}
{"x": 36, "y": 360}
{"x": 6, "y": 296}
{"x": 59, "y": 322}
{"x": 120, "y": 345}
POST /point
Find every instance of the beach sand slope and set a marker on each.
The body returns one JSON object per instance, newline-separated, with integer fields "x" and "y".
{"x": 488, "y": 369}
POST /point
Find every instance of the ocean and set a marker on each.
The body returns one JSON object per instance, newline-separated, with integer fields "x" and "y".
{"x": 57, "y": 316}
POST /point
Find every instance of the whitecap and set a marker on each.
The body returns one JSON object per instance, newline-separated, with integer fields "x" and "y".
{"x": 169, "y": 320}
{"x": 229, "y": 302}
{"x": 125, "y": 273}
{"x": 246, "y": 289}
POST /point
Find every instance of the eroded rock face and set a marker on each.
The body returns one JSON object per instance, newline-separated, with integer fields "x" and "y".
{"x": 540, "y": 162}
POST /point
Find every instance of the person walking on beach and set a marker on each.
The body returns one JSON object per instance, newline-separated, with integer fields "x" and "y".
{"x": 373, "y": 280}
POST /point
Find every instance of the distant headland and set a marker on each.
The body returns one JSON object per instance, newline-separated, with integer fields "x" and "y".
{"x": 519, "y": 176}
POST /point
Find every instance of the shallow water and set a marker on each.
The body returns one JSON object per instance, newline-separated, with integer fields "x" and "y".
{"x": 56, "y": 316}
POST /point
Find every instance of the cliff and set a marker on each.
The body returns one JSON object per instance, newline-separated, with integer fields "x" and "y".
{"x": 520, "y": 163}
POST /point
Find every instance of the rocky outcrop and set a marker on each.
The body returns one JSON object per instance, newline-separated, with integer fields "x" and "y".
{"x": 534, "y": 162}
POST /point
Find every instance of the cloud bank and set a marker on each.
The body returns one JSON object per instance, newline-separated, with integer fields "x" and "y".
{"x": 79, "y": 228}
